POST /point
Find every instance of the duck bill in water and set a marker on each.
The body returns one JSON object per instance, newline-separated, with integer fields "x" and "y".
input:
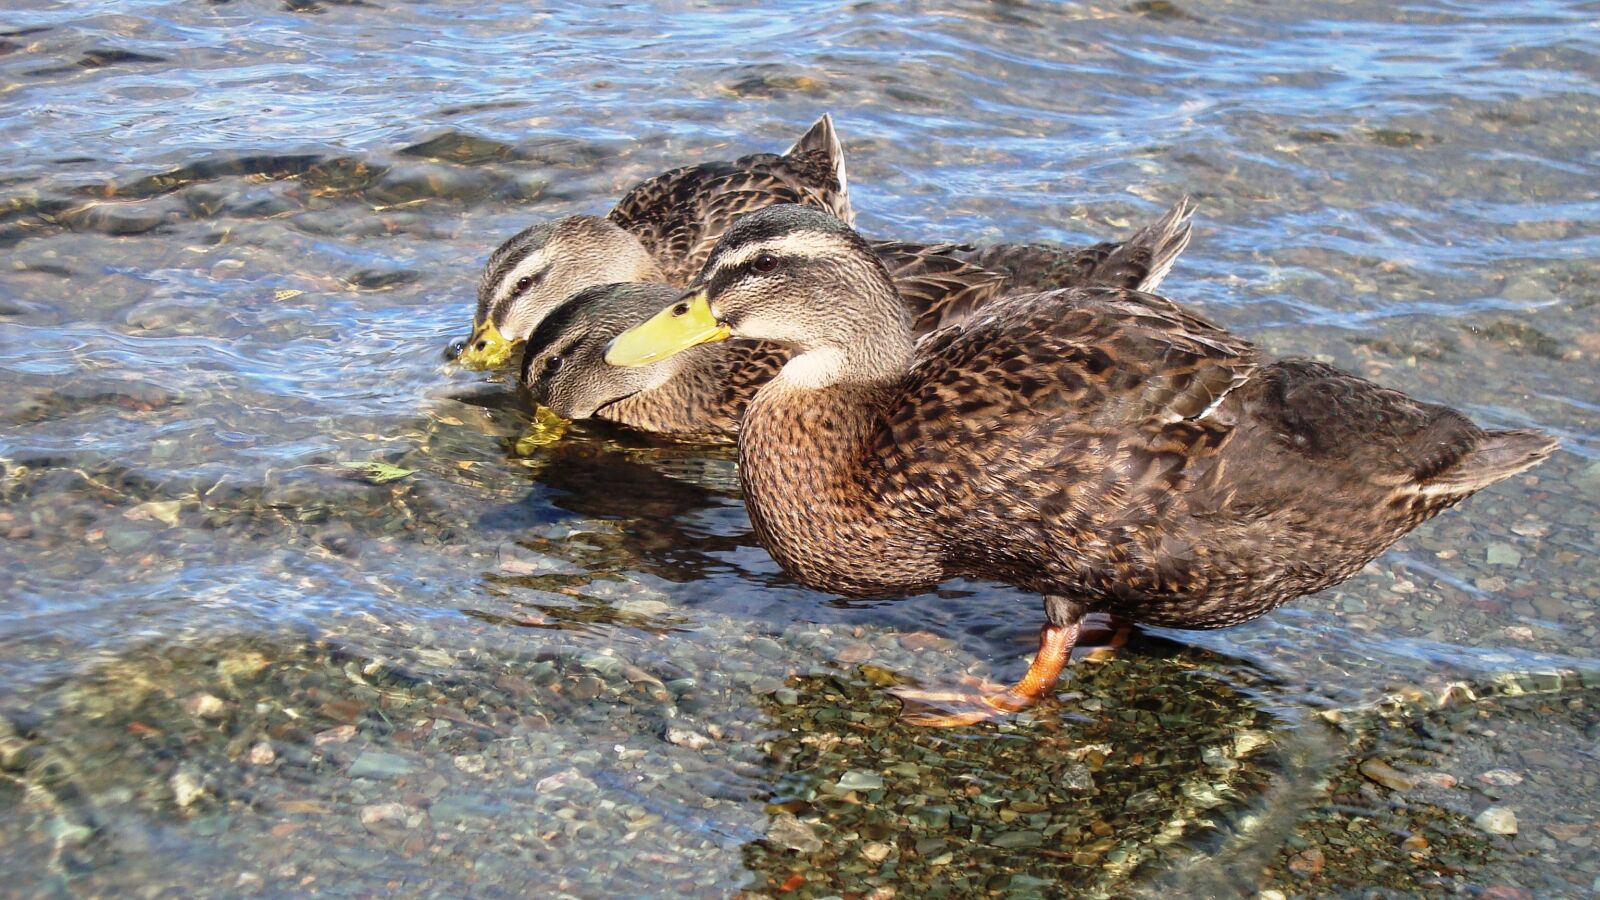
{"x": 486, "y": 349}
{"x": 687, "y": 323}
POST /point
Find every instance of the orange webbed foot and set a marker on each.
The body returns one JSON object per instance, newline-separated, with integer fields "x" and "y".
{"x": 1100, "y": 639}
{"x": 967, "y": 702}
{"x": 975, "y": 700}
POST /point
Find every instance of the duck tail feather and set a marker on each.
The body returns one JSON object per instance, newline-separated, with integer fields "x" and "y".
{"x": 1164, "y": 240}
{"x": 822, "y": 138}
{"x": 1499, "y": 456}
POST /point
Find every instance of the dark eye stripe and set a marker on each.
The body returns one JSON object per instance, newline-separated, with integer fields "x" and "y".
{"x": 496, "y": 309}
{"x": 722, "y": 277}
{"x": 548, "y": 361}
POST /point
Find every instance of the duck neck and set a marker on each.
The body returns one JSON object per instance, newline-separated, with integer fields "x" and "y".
{"x": 693, "y": 399}
{"x": 872, "y": 347}
{"x": 809, "y": 473}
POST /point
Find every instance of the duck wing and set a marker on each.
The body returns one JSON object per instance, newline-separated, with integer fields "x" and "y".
{"x": 1139, "y": 263}
{"x": 1076, "y": 358}
{"x": 938, "y": 287}
{"x": 679, "y": 215}
{"x": 1112, "y": 446}
{"x": 1060, "y": 426}
{"x": 943, "y": 284}
{"x": 1372, "y": 439}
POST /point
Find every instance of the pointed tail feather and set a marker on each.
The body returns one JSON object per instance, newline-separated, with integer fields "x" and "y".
{"x": 1501, "y": 455}
{"x": 1155, "y": 247}
{"x": 1139, "y": 263}
{"x": 822, "y": 138}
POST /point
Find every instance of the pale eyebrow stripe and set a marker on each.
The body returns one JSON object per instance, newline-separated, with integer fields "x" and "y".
{"x": 796, "y": 244}
{"x": 510, "y": 262}
{"x": 528, "y": 265}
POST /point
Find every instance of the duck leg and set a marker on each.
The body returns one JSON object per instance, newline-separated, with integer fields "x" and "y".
{"x": 976, "y": 701}
{"x": 1100, "y": 639}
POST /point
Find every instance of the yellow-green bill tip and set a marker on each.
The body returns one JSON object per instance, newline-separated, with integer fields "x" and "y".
{"x": 687, "y": 323}
{"x": 486, "y": 349}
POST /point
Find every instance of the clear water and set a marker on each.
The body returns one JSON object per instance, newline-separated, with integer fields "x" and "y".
{"x": 234, "y": 250}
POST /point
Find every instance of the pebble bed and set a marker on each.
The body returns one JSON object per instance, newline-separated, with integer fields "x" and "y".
{"x": 292, "y": 607}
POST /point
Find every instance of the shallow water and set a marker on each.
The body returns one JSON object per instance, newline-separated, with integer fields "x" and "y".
{"x": 238, "y": 236}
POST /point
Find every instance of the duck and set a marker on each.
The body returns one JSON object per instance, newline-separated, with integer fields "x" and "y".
{"x": 1103, "y": 447}
{"x": 702, "y": 392}
{"x": 697, "y": 394}
{"x": 660, "y": 231}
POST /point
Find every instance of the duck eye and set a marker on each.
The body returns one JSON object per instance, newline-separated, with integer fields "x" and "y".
{"x": 552, "y": 364}
{"x": 765, "y": 263}
{"x": 528, "y": 281}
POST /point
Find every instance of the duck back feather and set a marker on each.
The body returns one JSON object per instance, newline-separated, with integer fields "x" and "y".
{"x": 679, "y": 214}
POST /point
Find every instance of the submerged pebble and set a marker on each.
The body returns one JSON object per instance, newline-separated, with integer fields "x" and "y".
{"x": 378, "y": 764}
{"x": 791, "y": 833}
{"x": 858, "y": 780}
{"x": 1497, "y": 820}
{"x": 1387, "y": 775}
{"x": 186, "y": 788}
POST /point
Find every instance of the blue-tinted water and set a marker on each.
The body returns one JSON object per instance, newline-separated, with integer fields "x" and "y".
{"x": 233, "y": 259}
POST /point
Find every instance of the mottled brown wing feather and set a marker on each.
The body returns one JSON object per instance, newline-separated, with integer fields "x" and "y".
{"x": 1063, "y": 424}
{"x": 1139, "y": 263}
{"x": 1105, "y": 357}
{"x": 937, "y": 286}
{"x": 1110, "y": 446}
{"x": 943, "y": 284}
{"x": 679, "y": 215}
{"x": 1033, "y": 267}
{"x": 1358, "y": 430}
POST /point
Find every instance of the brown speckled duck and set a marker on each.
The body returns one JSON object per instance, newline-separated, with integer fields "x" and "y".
{"x": 703, "y": 391}
{"x": 1101, "y": 446}
{"x": 660, "y": 231}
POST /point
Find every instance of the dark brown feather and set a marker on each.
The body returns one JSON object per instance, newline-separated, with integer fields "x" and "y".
{"x": 1110, "y": 447}
{"x": 678, "y": 215}
{"x": 1140, "y": 263}
{"x": 938, "y": 283}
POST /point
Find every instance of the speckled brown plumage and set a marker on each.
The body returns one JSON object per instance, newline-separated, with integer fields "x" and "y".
{"x": 678, "y": 215}
{"x": 1101, "y": 446}
{"x": 708, "y": 388}
{"x": 1140, "y": 263}
{"x": 945, "y": 283}
{"x": 1064, "y": 445}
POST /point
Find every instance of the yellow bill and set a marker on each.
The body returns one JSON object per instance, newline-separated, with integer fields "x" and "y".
{"x": 486, "y": 349}
{"x": 686, "y": 323}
